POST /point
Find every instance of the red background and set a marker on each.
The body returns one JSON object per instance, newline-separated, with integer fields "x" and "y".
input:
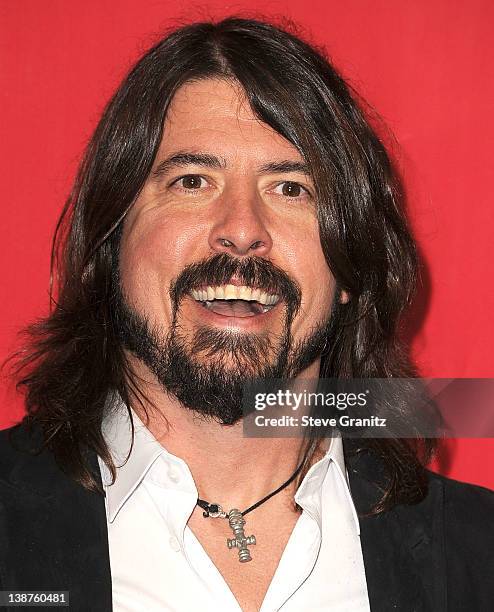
{"x": 426, "y": 66}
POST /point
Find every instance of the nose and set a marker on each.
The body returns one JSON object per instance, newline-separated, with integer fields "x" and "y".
{"x": 240, "y": 228}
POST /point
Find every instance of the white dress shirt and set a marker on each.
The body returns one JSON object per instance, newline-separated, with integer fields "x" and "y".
{"x": 158, "y": 564}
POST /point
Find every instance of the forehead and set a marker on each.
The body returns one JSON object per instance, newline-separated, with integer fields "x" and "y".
{"x": 214, "y": 115}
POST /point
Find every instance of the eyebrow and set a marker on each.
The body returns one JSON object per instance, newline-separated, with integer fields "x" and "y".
{"x": 206, "y": 160}
{"x": 284, "y": 166}
{"x": 181, "y": 159}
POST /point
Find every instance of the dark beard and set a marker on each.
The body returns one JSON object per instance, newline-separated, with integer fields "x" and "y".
{"x": 214, "y": 388}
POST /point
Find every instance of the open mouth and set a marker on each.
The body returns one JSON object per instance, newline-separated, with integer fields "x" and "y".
{"x": 235, "y": 301}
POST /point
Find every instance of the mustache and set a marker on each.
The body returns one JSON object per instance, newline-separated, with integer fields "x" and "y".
{"x": 253, "y": 271}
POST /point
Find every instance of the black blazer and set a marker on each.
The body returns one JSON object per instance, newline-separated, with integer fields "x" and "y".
{"x": 434, "y": 556}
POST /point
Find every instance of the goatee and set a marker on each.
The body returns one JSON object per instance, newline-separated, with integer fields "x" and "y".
{"x": 213, "y": 385}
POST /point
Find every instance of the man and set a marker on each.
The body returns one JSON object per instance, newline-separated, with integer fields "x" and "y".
{"x": 234, "y": 218}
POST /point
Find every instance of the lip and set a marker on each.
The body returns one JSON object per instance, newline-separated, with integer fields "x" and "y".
{"x": 219, "y": 320}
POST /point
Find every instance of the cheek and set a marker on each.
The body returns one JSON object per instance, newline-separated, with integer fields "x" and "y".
{"x": 301, "y": 248}
{"x": 318, "y": 289}
{"x": 151, "y": 256}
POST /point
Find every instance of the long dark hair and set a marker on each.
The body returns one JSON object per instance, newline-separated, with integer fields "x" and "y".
{"x": 73, "y": 359}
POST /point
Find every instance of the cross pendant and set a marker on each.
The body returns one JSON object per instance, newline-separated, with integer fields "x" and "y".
{"x": 240, "y": 541}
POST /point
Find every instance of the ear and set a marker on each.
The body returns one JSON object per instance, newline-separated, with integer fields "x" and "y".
{"x": 344, "y": 297}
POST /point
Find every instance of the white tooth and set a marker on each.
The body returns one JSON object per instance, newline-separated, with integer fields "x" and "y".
{"x": 270, "y": 301}
{"x": 245, "y": 293}
{"x": 219, "y": 293}
{"x": 231, "y": 292}
{"x": 201, "y": 295}
{"x": 210, "y": 292}
{"x": 195, "y": 294}
{"x": 263, "y": 298}
{"x": 276, "y": 299}
{"x": 256, "y": 294}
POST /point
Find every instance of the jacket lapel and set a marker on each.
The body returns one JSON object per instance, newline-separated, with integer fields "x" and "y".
{"x": 61, "y": 529}
{"x": 403, "y": 548}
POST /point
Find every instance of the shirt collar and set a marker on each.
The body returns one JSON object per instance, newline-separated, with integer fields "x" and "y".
{"x": 309, "y": 495}
{"x": 134, "y": 461}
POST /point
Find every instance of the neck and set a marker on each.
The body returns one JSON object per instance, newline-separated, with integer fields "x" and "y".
{"x": 228, "y": 468}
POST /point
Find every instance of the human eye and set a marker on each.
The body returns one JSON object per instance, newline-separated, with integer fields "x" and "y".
{"x": 190, "y": 182}
{"x": 291, "y": 190}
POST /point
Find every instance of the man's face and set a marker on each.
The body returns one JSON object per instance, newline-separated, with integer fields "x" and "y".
{"x": 221, "y": 266}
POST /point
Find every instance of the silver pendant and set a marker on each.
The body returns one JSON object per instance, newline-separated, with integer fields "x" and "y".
{"x": 240, "y": 541}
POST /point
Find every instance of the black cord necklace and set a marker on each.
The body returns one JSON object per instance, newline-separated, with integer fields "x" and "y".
{"x": 237, "y": 521}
